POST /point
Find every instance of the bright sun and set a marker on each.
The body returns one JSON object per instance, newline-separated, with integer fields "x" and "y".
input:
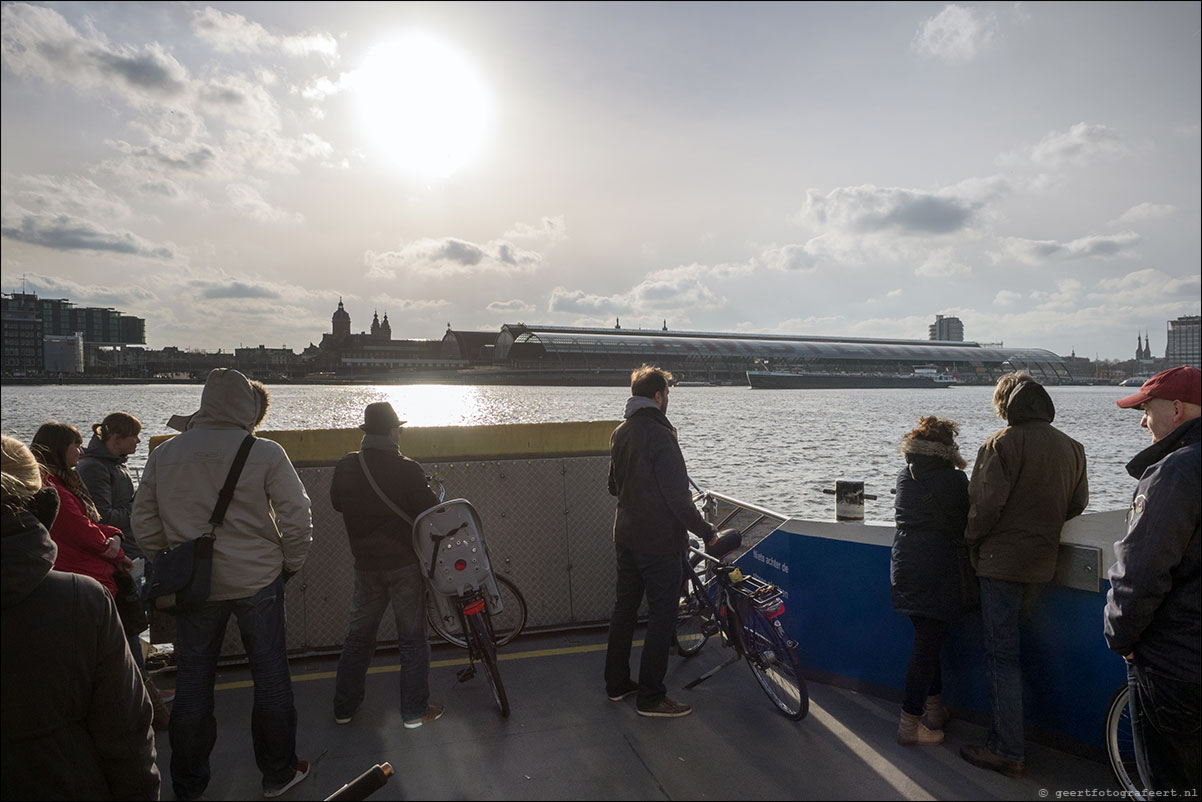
{"x": 423, "y": 105}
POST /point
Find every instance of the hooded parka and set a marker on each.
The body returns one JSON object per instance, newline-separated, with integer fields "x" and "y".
{"x": 267, "y": 528}
{"x": 931, "y": 510}
{"x": 76, "y": 718}
{"x": 1028, "y": 480}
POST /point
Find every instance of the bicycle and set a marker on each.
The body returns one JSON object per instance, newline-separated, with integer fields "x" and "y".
{"x": 745, "y": 610}
{"x": 1120, "y": 744}
{"x": 507, "y": 624}
{"x": 449, "y": 541}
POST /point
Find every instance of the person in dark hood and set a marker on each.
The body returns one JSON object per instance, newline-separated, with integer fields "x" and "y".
{"x": 77, "y": 726}
{"x": 1153, "y": 612}
{"x": 925, "y": 574}
{"x": 1029, "y": 479}
{"x": 655, "y": 513}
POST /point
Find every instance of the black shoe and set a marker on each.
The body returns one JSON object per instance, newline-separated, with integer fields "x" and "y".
{"x": 666, "y": 708}
{"x": 983, "y": 757}
{"x": 626, "y": 689}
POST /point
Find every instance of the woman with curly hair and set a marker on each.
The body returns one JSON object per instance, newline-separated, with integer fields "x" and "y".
{"x": 85, "y": 546}
{"x": 931, "y": 512}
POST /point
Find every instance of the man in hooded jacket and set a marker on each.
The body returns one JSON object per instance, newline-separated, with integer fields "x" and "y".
{"x": 263, "y": 540}
{"x": 1028, "y": 480}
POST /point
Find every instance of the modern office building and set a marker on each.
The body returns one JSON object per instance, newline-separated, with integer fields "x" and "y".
{"x": 947, "y": 329}
{"x": 1182, "y": 342}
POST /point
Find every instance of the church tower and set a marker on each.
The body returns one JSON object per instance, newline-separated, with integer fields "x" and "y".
{"x": 375, "y": 325}
{"x": 385, "y": 329}
{"x": 341, "y": 322}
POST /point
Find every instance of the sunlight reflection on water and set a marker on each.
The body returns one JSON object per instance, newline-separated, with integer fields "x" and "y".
{"x": 775, "y": 448}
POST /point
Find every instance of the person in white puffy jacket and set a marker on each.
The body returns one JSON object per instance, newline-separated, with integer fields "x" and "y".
{"x": 262, "y": 541}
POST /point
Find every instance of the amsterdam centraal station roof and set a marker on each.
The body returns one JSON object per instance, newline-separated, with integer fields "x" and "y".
{"x": 714, "y": 352}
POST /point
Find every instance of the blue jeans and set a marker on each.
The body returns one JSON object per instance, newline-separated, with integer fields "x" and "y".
{"x": 1003, "y": 605}
{"x": 660, "y": 578}
{"x": 198, "y": 637}
{"x": 1165, "y": 723}
{"x": 405, "y": 589}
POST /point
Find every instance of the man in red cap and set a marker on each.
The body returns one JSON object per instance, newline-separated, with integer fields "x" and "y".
{"x": 1153, "y": 609}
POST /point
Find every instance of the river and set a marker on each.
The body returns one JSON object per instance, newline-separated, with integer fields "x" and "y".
{"x": 775, "y": 448}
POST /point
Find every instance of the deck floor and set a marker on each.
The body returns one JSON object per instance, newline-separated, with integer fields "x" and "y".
{"x": 566, "y": 740}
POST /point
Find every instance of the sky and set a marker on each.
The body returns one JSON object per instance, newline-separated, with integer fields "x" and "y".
{"x": 229, "y": 171}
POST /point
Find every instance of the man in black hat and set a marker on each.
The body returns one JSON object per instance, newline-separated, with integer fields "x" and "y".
{"x": 379, "y": 492}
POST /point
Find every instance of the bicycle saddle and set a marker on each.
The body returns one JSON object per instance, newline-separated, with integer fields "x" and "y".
{"x": 727, "y": 541}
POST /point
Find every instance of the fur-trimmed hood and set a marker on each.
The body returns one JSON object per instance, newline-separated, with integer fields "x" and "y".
{"x": 930, "y": 448}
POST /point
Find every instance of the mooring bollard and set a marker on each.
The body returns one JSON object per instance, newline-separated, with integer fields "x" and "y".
{"x": 849, "y": 500}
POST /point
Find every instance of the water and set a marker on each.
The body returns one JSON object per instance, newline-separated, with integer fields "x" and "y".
{"x": 775, "y": 448}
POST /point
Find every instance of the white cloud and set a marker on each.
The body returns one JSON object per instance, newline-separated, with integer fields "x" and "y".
{"x": 247, "y": 201}
{"x": 233, "y": 33}
{"x": 1144, "y": 212}
{"x": 1097, "y": 246}
{"x": 1007, "y": 298}
{"x": 549, "y": 231}
{"x": 1148, "y": 286}
{"x": 1079, "y": 146}
{"x": 942, "y": 263}
{"x": 451, "y": 256}
{"x": 514, "y": 306}
{"x": 956, "y": 35}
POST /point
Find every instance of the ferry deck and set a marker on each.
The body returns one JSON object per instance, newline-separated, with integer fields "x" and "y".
{"x": 540, "y": 491}
{"x": 565, "y": 740}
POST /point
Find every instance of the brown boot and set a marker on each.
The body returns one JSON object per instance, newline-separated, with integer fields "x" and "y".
{"x": 984, "y": 757}
{"x": 162, "y": 715}
{"x": 935, "y": 715}
{"x": 912, "y": 732}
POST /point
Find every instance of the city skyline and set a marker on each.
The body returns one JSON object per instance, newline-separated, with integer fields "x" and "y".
{"x": 228, "y": 171}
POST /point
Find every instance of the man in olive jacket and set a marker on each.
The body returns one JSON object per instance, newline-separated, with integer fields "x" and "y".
{"x": 1028, "y": 480}
{"x": 655, "y": 513}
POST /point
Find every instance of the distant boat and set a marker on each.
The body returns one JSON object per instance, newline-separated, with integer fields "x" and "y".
{"x": 797, "y": 380}
{"x": 1134, "y": 381}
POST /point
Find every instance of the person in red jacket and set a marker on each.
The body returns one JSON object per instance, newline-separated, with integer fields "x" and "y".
{"x": 85, "y": 546}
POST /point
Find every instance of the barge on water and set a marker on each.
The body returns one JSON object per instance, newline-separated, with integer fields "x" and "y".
{"x": 796, "y": 380}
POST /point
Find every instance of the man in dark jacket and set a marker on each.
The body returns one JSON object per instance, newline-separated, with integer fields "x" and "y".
{"x": 76, "y": 719}
{"x": 1153, "y": 614}
{"x": 1028, "y": 480}
{"x": 655, "y": 512}
{"x": 386, "y": 567}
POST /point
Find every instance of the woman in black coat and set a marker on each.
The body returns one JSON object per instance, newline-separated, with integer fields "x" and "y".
{"x": 931, "y": 511}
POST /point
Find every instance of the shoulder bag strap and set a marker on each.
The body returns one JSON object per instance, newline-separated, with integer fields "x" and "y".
{"x": 231, "y": 482}
{"x": 389, "y": 502}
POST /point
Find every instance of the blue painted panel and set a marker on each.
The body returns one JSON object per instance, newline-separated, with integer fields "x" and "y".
{"x": 839, "y": 609}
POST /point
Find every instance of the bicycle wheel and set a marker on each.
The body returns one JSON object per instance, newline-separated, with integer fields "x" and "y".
{"x": 774, "y": 662}
{"x": 693, "y": 622}
{"x": 1120, "y": 745}
{"x": 485, "y": 649}
{"x": 506, "y": 626}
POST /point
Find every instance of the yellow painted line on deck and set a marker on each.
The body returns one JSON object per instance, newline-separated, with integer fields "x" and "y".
{"x": 457, "y": 661}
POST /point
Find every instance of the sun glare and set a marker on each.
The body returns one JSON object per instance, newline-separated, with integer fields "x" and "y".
{"x": 423, "y": 105}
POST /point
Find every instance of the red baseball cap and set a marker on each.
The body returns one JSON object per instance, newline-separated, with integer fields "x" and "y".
{"x": 1177, "y": 384}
